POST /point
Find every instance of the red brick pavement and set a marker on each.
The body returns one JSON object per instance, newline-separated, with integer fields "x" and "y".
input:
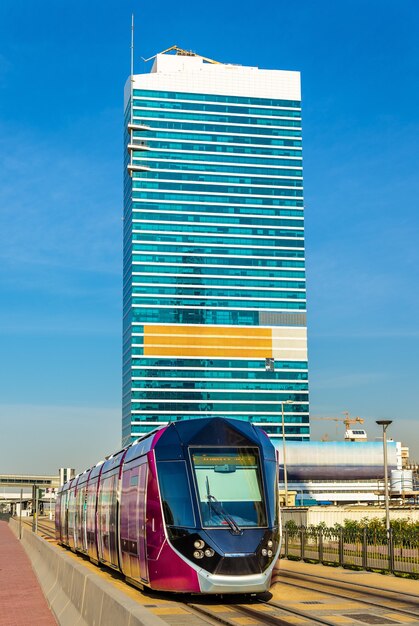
{"x": 22, "y": 602}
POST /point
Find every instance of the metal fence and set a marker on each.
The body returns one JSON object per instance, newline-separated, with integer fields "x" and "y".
{"x": 365, "y": 549}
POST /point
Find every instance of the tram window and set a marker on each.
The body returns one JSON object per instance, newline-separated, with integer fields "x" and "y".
{"x": 229, "y": 484}
{"x": 272, "y": 485}
{"x": 175, "y": 493}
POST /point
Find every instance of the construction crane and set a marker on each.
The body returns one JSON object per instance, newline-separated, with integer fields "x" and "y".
{"x": 184, "y": 53}
{"x": 334, "y": 419}
{"x": 348, "y": 421}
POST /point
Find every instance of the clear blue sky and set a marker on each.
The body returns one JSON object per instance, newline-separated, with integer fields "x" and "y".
{"x": 62, "y": 70}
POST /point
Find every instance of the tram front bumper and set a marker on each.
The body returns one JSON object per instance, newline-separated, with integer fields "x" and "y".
{"x": 254, "y": 583}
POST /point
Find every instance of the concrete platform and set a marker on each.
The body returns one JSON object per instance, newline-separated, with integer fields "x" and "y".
{"x": 21, "y": 599}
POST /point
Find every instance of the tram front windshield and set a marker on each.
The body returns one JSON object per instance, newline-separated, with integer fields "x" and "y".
{"x": 229, "y": 484}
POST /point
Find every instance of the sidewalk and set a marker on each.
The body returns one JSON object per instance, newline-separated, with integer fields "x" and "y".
{"x": 22, "y": 602}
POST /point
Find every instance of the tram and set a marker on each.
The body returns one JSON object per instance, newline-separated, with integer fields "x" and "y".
{"x": 191, "y": 507}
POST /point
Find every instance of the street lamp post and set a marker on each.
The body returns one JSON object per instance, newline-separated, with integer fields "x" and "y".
{"x": 385, "y": 424}
{"x": 284, "y": 450}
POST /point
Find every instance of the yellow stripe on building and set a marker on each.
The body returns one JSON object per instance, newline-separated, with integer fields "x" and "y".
{"x": 198, "y": 340}
{"x": 207, "y": 341}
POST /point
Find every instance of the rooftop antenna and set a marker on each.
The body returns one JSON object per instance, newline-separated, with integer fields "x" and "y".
{"x": 132, "y": 84}
{"x": 132, "y": 45}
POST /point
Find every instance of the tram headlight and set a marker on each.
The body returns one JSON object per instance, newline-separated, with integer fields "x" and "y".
{"x": 209, "y": 552}
{"x": 199, "y": 544}
{"x": 198, "y": 554}
{"x": 264, "y": 552}
{"x": 270, "y": 543}
{"x": 270, "y": 553}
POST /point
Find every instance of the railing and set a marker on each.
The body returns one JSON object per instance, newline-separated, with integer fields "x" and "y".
{"x": 369, "y": 550}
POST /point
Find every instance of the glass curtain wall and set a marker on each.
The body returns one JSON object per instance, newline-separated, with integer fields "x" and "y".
{"x": 214, "y": 267}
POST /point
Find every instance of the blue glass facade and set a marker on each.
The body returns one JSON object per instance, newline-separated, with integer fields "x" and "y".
{"x": 214, "y": 280}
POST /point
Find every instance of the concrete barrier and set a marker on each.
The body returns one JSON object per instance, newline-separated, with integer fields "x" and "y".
{"x": 76, "y": 595}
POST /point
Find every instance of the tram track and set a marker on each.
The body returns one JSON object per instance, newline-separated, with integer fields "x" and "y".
{"x": 393, "y": 607}
{"x": 323, "y": 585}
{"x": 44, "y": 527}
{"x": 261, "y": 617}
{"x": 273, "y": 613}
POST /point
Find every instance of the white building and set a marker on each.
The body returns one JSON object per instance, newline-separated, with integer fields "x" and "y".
{"x": 341, "y": 472}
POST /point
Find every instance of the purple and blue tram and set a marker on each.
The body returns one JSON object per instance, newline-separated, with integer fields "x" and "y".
{"x": 191, "y": 507}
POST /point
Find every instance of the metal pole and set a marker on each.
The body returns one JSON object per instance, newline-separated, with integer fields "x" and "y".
{"x": 386, "y": 494}
{"x": 284, "y": 455}
{"x": 36, "y": 509}
{"x": 303, "y": 542}
{"x": 341, "y": 553}
{"x": 391, "y": 550}
{"x": 20, "y": 514}
{"x": 132, "y": 45}
{"x": 33, "y": 507}
{"x": 320, "y": 550}
{"x": 385, "y": 424}
{"x": 132, "y": 91}
{"x": 364, "y": 549}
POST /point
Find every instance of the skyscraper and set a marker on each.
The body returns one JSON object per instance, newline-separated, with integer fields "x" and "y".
{"x": 214, "y": 267}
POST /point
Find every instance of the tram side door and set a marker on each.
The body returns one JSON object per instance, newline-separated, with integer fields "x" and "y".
{"x": 84, "y": 543}
{"x": 142, "y": 527}
{"x": 131, "y": 544}
{"x": 64, "y": 504}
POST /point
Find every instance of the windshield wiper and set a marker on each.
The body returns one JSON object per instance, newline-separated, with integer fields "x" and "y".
{"x": 214, "y": 504}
